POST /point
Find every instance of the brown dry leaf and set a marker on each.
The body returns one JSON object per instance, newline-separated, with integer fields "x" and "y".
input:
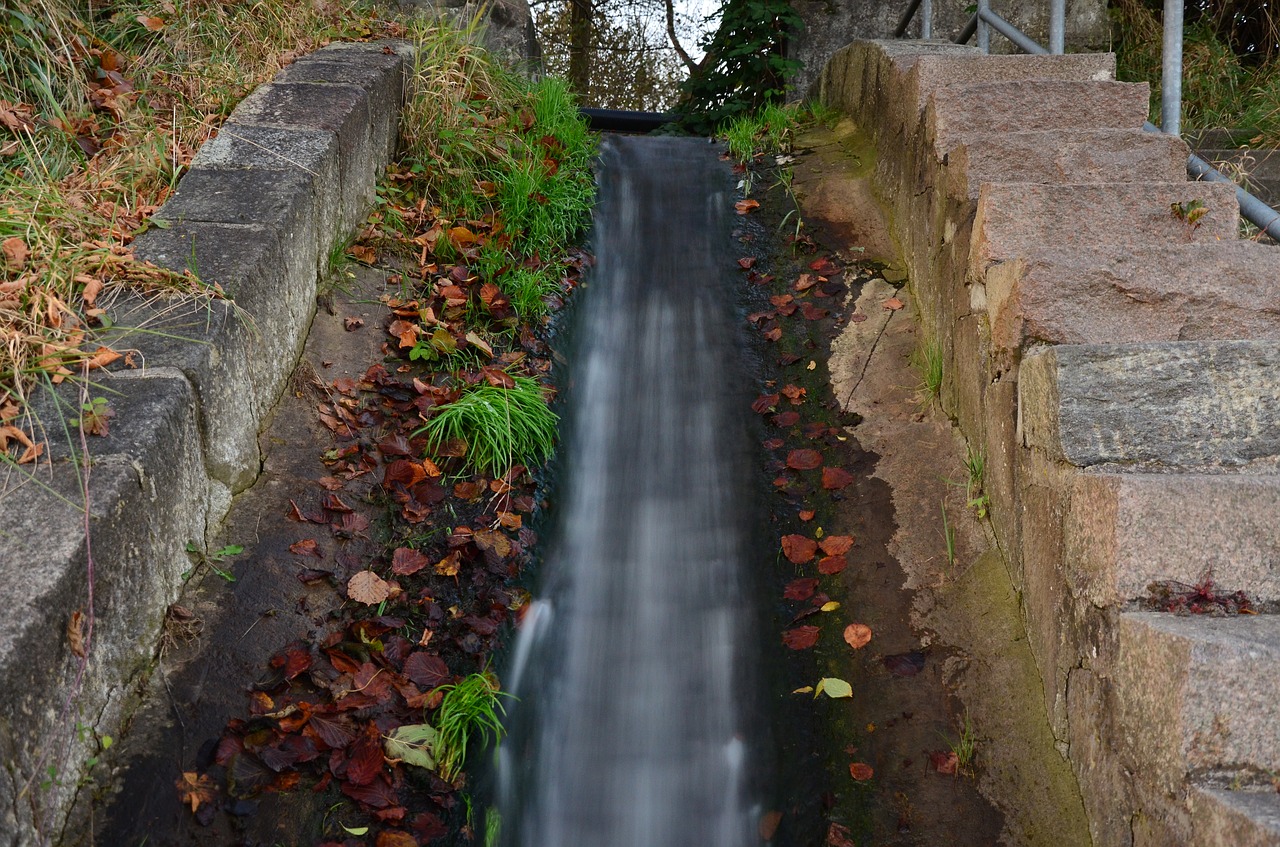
{"x": 857, "y": 635}
{"x": 861, "y": 771}
{"x": 394, "y": 838}
{"x": 834, "y": 479}
{"x": 195, "y": 789}
{"x": 836, "y": 545}
{"x": 769, "y": 824}
{"x": 152, "y": 25}
{"x": 801, "y": 637}
{"x": 449, "y": 565}
{"x": 31, "y": 451}
{"x": 75, "y": 633}
{"x": 893, "y": 304}
{"x": 804, "y": 460}
{"x": 831, "y": 565}
{"x": 102, "y": 357}
{"x": 368, "y": 588}
{"x": 945, "y": 762}
{"x": 15, "y": 252}
{"x": 406, "y": 561}
{"x": 746, "y": 206}
{"x": 798, "y": 549}
{"x": 492, "y": 539}
{"x": 363, "y": 254}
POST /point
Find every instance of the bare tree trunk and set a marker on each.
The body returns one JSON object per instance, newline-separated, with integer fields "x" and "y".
{"x": 675, "y": 42}
{"x": 580, "y": 46}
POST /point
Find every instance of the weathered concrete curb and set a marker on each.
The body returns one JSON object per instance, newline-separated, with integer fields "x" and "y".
{"x": 1116, "y": 364}
{"x": 290, "y": 174}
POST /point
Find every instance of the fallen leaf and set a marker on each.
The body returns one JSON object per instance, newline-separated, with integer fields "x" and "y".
{"x": 426, "y": 670}
{"x": 801, "y": 589}
{"x": 406, "y": 561}
{"x": 861, "y": 771}
{"x": 945, "y": 762}
{"x": 836, "y": 545}
{"x": 151, "y": 24}
{"x": 769, "y": 824}
{"x": 746, "y": 206}
{"x": 747, "y": 262}
{"x": 449, "y": 565}
{"x": 395, "y": 838}
{"x": 306, "y": 547}
{"x": 806, "y": 515}
{"x": 829, "y": 606}
{"x": 838, "y": 836}
{"x": 75, "y": 634}
{"x": 798, "y": 549}
{"x": 368, "y": 588}
{"x": 195, "y": 789}
{"x": 833, "y": 687}
{"x": 801, "y": 637}
{"x": 833, "y": 479}
{"x": 413, "y": 744}
{"x": 832, "y": 565}
{"x": 794, "y": 393}
{"x": 15, "y": 252}
{"x": 804, "y": 460}
{"x": 857, "y": 635}
{"x": 893, "y": 304}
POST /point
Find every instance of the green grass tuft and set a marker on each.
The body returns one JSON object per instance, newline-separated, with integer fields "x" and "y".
{"x": 501, "y": 426}
{"x": 469, "y": 711}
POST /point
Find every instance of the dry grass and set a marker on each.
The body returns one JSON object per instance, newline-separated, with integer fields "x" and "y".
{"x": 100, "y": 112}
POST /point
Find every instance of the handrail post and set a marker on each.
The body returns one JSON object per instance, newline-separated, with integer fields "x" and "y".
{"x": 984, "y": 30}
{"x": 926, "y": 19}
{"x": 1057, "y": 27}
{"x": 1171, "y": 72}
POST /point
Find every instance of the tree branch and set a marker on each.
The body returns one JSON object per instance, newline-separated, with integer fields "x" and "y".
{"x": 675, "y": 42}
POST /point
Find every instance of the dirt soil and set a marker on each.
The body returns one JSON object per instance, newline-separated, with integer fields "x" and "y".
{"x": 948, "y": 662}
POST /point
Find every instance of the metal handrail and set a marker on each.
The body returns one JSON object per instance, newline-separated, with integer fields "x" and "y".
{"x": 984, "y": 20}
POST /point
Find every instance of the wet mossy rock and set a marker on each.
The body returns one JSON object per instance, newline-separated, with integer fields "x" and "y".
{"x": 290, "y": 173}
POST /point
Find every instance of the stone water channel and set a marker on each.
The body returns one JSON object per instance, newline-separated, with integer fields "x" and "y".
{"x": 652, "y": 708}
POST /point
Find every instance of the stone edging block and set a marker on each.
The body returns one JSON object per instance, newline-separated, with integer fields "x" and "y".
{"x": 291, "y": 173}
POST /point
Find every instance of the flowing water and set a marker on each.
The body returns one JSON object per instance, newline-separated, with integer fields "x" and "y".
{"x": 640, "y": 717}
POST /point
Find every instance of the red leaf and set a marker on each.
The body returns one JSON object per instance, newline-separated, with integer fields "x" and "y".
{"x": 833, "y": 479}
{"x": 798, "y": 549}
{"x": 764, "y": 403}
{"x": 747, "y": 262}
{"x": 306, "y": 547}
{"x": 378, "y": 794}
{"x": 838, "y": 836}
{"x": 861, "y": 771}
{"x": 945, "y": 761}
{"x": 426, "y": 670}
{"x": 406, "y": 561}
{"x": 801, "y": 637}
{"x": 812, "y": 312}
{"x": 801, "y": 589}
{"x": 786, "y": 419}
{"x": 365, "y": 758}
{"x": 831, "y": 565}
{"x": 804, "y": 460}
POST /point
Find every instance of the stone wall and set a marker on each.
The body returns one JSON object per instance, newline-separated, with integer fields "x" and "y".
{"x": 1117, "y": 364}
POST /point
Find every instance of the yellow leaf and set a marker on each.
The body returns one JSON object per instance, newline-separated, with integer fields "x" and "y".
{"x": 831, "y": 606}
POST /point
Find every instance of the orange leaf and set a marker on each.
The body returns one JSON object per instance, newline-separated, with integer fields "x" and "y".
{"x": 857, "y": 635}
{"x": 152, "y": 25}
{"x": 831, "y": 565}
{"x": 836, "y": 478}
{"x": 769, "y": 824}
{"x": 798, "y": 549}
{"x": 102, "y": 357}
{"x": 836, "y": 545}
{"x": 861, "y": 771}
{"x": 746, "y": 206}
{"x": 804, "y": 460}
{"x": 893, "y": 304}
{"x": 368, "y": 588}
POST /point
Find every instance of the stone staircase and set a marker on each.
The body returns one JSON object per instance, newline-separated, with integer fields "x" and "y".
{"x": 1118, "y": 365}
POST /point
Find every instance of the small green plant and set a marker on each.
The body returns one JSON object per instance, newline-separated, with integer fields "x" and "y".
{"x": 1189, "y": 213}
{"x": 965, "y": 746}
{"x": 948, "y": 536}
{"x": 927, "y": 359}
{"x": 500, "y": 426}
{"x": 212, "y": 560}
{"x": 975, "y": 465}
{"x": 469, "y": 710}
{"x": 95, "y": 416}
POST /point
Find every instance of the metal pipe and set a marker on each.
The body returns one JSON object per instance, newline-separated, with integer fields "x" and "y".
{"x": 984, "y": 31}
{"x": 617, "y": 120}
{"x": 1057, "y": 27}
{"x": 1252, "y": 209}
{"x": 1171, "y": 72}
{"x": 905, "y": 20}
{"x": 926, "y": 19}
{"x": 1008, "y": 30}
{"x": 969, "y": 29}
